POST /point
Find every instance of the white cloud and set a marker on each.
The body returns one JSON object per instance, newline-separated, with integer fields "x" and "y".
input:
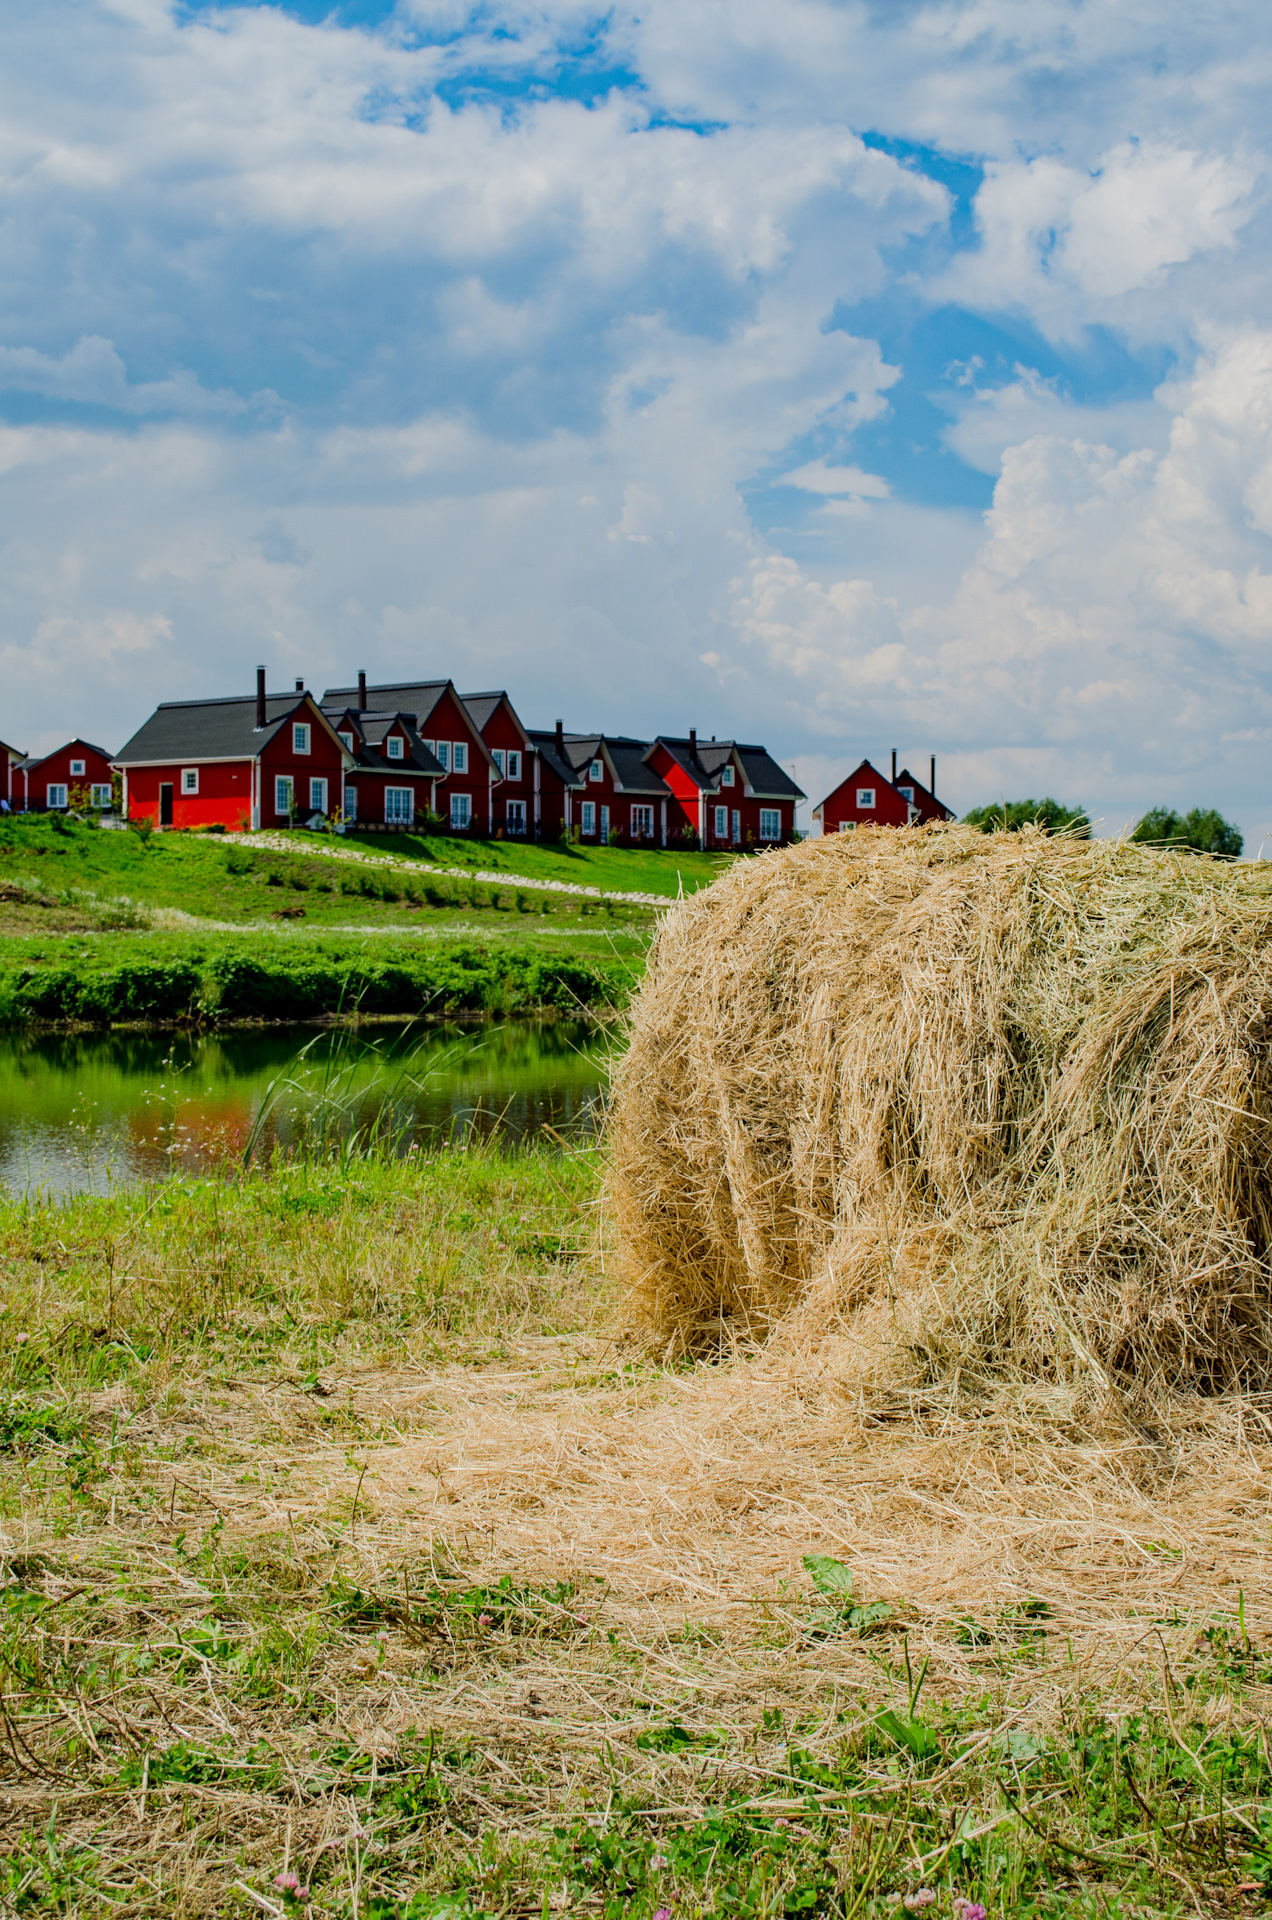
{"x": 817, "y": 477}
{"x": 91, "y": 371}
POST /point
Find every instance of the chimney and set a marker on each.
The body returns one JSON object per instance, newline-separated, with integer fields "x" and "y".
{"x": 932, "y": 778}
{"x": 362, "y": 692}
{"x": 300, "y": 686}
{"x": 894, "y": 766}
{"x": 260, "y": 696}
{"x": 693, "y": 743}
{"x": 560, "y": 741}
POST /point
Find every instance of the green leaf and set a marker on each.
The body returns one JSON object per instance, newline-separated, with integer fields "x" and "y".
{"x": 917, "y": 1738}
{"x": 829, "y": 1576}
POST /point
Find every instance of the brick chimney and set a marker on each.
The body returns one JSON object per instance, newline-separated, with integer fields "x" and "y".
{"x": 362, "y": 692}
{"x": 260, "y": 697}
{"x": 560, "y": 741}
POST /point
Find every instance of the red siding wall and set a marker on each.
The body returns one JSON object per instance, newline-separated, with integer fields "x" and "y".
{"x": 501, "y": 731}
{"x": 370, "y": 788}
{"x": 224, "y": 797}
{"x": 450, "y": 721}
{"x": 325, "y": 760}
{"x": 601, "y": 793}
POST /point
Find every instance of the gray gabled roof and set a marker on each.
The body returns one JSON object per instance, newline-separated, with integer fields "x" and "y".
{"x": 483, "y": 706}
{"x": 368, "y": 730}
{"x": 417, "y": 697}
{"x": 16, "y": 754}
{"x": 544, "y": 744}
{"x": 210, "y": 729}
{"x": 626, "y": 756}
{"x": 37, "y": 759}
{"x": 760, "y": 770}
{"x": 927, "y": 792}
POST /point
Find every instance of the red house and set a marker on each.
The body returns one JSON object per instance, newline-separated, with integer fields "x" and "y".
{"x": 924, "y": 798}
{"x": 556, "y": 783}
{"x": 723, "y": 793}
{"x": 11, "y": 758}
{"x": 518, "y": 797}
{"x": 77, "y": 774}
{"x": 237, "y": 763}
{"x": 868, "y": 798}
{"x": 393, "y": 779}
{"x": 467, "y": 772}
{"x": 614, "y": 796}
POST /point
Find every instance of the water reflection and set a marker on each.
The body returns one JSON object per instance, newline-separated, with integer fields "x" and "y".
{"x": 82, "y": 1113}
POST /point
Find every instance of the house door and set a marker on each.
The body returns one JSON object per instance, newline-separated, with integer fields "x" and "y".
{"x": 165, "y": 803}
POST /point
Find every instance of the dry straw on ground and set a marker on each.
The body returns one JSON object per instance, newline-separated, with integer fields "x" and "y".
{"x": 957, "y": 1108}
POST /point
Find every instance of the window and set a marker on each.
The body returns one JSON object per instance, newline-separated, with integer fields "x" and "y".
{"x": 394, "y": 745}
{"x": 605, "y": 826}
{"x": 496, "y": 754}
{"x": 317, "y": 796}
{"x": 516, "y": 816}
{"x": 351, "y": 803}
{"x": 726, "y": 776}
{"x": 100, "y": 796}
{"x": 514, "y": 766}
{"x": 346, "y": 741}
{"x": 865, "y": 797}
{"x": 282, "y": 793}
{"x": 597, "y": 770}
{"x": 770, "y": 823}
{"x": 189, "y": 779}
{"x": 78, "y": 767}
{"x": 460, "y": 811}
{"x": 443, "y": 753}
{"x": 461, "y": 757}
{"x": 642, "y": 823}
{"x": 721, "y": 822}
{"x": 399, "y": 808}
{"x": 737, "y": 828}
{"x": 588, "y": 823}
{"x": 300, "y": 738}
{"x": 432, "y": 747}
{"x": 57, "y": 796}
{"x": 907, "y": 793}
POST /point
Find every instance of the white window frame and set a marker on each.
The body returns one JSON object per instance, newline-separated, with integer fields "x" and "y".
{"x": 284, "y": 790}
{"x": 399, "y": 806}
{"x": 515, "y": 816}
{"x": 300, "y": 736}
{"x": 56, "y": 791}
{"x": 497, "y": 755}
{"x": 642, "y": 822}
{"x": 587, "y": 823}
{"x": 866, "y": 799}
{"x": 721, "y": 827}
{"x": 393, "y": 746}
{"x": 907, "y": 793}
{"x": 317, "y": 794}
{"x": 737, "y": 827}
{"x": 605, "y": 826}
{"x": 346, "y": 741}
{"x": 459, "y": 756}
{"x": 726, "y": 776}
{"x": 78, "y": 769}
{"x": 514, "y": 763}
{"x": 461, "y": 810}
{"x": 350, "y": 803}
{"x": 96, "y": 794}
{"x": 442, "y": 751}
{"x": 596, "y": 771}
{"x": 189, "y": 780}
{"x": 770, "y": 823}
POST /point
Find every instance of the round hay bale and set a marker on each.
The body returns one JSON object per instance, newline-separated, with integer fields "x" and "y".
{"x": 977, "y": 1106}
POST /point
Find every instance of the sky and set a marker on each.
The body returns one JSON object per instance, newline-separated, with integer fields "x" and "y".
{"x": 842, "y": 375}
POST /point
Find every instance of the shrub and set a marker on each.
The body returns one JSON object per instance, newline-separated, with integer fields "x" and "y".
{"x": 1008, "y": 816}
{"x": 1203, "y": 829}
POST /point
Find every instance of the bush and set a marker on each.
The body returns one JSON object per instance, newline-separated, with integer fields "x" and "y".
{"x": 1204, "y": 830}
{"x": 1010, "y": 815}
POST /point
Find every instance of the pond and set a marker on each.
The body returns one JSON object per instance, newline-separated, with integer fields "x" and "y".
{"x": 88, "y": 1112}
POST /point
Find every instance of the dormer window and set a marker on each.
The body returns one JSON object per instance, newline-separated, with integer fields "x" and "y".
{"x": 496, "y": 754}
{"x": 300, "y": 738}
{"x": 726, "y": 776}
{"x": 907, "y": 793}
{"x": 346, "y": 741}
{"x": 597, "y": 770}
{"x": 394, "y": 744}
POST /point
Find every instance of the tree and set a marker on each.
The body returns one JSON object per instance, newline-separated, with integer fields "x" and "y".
{"x": 1204, "y": 830}
{"x": 1008, "y": 816}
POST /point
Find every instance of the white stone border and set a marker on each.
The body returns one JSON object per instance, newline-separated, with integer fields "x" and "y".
{"x": 491, "y": 878}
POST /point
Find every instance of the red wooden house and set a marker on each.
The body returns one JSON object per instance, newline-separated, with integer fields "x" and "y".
{"x": 614, "y": 797}
{"x": 238, "y": 763}
{"x": 518, "y": 797}
{"x": 467, "y": 773}
{"x": 392, "y": 781}
{"x": 866, "y": 798}
{"x": 557, "y": 783}
{"x": 723, "y": 793}
{"x": 76, "y": 774}
{"x": 924, "y": 798}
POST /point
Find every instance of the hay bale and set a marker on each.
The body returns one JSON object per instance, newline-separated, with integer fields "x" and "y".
{"x": 979, "y": 1107}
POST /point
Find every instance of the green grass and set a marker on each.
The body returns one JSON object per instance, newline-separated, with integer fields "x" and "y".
{"x": 256, "y": 1623}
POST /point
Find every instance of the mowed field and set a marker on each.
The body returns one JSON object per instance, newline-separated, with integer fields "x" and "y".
{"x": 355, "y": 1563}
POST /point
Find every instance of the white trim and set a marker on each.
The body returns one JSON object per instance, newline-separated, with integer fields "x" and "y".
{"x": 188, "y": 775}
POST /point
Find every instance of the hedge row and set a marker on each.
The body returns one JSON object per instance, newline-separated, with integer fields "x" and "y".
{"x": 238, "y": 985}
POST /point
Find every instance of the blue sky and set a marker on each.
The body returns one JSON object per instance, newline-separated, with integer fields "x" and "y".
{"x": 840, "y": 375}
